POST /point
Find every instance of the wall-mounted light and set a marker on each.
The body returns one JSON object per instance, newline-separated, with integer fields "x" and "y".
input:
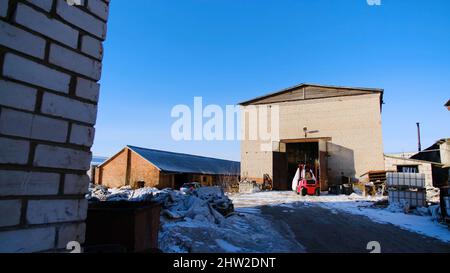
{"x": 305, "y": 130}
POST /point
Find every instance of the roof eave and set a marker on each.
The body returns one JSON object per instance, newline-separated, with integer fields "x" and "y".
{"x": 303, "y": 85}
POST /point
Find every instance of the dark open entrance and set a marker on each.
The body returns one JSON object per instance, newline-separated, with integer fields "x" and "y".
{"x": 302, "y": 153}
{"x": 180, "y": 179}
{"x": 285, "y": 163}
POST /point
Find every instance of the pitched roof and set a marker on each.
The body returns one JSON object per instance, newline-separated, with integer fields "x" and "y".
{"x": 306, "y": 91}
{"x": 448, "y": 103}
{"x": 184, "y": 163}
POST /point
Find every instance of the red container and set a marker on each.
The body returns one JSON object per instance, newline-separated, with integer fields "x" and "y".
{"x": 122, "y": 227}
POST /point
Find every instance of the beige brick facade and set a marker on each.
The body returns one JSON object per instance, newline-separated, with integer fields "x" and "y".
{"x": 351, "y": 124}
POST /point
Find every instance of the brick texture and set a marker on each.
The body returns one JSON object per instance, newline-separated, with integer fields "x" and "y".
{"x": 50, "y": 65}
{"x": 3, "y": 8}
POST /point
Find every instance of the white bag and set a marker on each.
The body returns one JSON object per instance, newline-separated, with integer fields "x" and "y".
{"x": 295, "y": 180}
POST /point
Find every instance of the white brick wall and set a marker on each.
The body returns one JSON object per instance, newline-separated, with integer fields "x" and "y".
{"x": 14, "y": 151}
{"x": 32, "y": 126}
{"x": 92, "y": 47}
{"x": 69, "y": 108}
{"x": 43, "y": 4}
{"x": 49, "y": 67}
{"x": 87, "y": 89}
{"x": 17, "y": 96}
{"x": 20, "y": 40}
{"x": 99, "y": 8}
{"x": 62, "y": 158}
{"x": 51, "y": 28}
{"x": 3, "y": 8}
{"x": 82, "y": 135}
{"x": 56, "y": 211}
{"x": 75, "y": 62}
{"x": 27, "y": 240}
{"x": 69, "y": 233}
{"x": 31, "y": 72}
{"x": 49, "y": 129}
{"x": 76, "y": 184}
{"x": 10, "y": 212}
{"x": 21, "y": 183}
{"x": 81, "y": 19}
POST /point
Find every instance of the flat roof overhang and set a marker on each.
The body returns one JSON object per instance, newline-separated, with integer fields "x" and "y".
{"x": 305, "y": 140}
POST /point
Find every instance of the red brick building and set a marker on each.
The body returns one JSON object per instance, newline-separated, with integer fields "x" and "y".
{"x": 139, "y": 167}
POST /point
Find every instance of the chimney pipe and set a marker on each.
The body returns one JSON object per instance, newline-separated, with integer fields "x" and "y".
{"x": 418, "y": 135}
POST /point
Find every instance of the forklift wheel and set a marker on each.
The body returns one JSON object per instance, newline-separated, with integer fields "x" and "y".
{"x": 304, "y": 192}
{"x": 317, "y": 192}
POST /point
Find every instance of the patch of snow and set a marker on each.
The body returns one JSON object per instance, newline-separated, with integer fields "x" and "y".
{"x": 422, "y": 220}
{"x": 191, "y": 222}
{"x": 420, "y": 224}
{"x": 248, "y": 210}
{"x": 227, "y": 246}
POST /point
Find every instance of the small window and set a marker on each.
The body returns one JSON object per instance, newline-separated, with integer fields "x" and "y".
{"x": 408, "y": 169}
{"x": 205, "y": 179}
{"x": 140, "y": 184}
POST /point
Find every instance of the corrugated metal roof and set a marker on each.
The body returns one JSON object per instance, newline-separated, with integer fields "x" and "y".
{"x": 184, "y": 163}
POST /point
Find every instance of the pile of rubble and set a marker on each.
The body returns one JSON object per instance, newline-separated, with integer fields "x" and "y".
{"x": 203, "y": 221}
{"x": 204, "y": 204}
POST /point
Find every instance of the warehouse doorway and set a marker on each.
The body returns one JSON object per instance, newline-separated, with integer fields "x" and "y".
{"x": 312, "y": 152}
{"x": 180, "y": 179}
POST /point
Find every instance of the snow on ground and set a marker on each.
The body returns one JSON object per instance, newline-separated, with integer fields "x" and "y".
{"x": 354, "y": 204}
{"x": 191, "y": 223}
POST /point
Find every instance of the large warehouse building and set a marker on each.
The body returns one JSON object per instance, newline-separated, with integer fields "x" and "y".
{"x": 337, "y": 130}
{"x": 140, "y": 167}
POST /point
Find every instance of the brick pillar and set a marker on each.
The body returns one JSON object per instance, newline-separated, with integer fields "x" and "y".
{"x": 50, "y": 62}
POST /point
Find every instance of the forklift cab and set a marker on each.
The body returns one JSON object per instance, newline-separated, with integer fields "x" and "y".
{"x": 308, "y": 184}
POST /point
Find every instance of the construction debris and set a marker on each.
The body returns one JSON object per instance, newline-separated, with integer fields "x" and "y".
{"x": 203, "y": 221}
{"x": 208, "y": 203}
{"x": 247, "y": 186}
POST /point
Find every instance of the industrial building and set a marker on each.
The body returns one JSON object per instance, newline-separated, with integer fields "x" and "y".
{"x": 433, "y": 161}
{"x": 337, "y": 130}
{"x": 140, "y": 167}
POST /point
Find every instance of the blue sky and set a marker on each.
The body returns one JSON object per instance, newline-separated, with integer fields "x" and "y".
{"x": 161, "y": 53}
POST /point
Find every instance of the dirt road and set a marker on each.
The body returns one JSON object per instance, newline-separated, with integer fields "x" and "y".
{"x": 321, "y": 230}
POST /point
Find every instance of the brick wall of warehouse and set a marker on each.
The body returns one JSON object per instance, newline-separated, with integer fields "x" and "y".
{"x": 127, "y": 168}
{"x": 50, "y": 62}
